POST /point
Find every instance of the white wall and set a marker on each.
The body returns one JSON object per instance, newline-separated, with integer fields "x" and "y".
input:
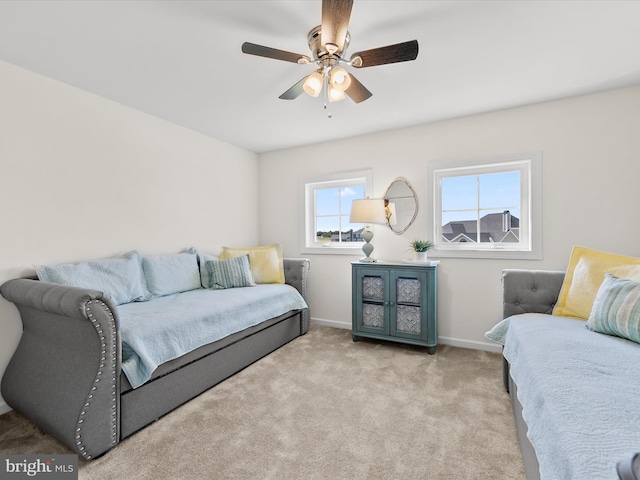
{"x": 82, "y": 177}
{"x": 591, "y": 167}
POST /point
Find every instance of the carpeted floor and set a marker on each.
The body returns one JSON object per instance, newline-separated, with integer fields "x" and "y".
{"x": 323, "y": 407}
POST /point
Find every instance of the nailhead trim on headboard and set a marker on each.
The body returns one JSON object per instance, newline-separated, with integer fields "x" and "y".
{"x": 111, "y": 366}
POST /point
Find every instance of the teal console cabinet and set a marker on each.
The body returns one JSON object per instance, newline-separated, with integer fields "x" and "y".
{"x": 395, "y": 302}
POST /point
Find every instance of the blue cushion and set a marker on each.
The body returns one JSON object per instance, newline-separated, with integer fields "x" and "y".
{"x": 230, "y": 273}
{"x": 616, "y": 309}
{"x": 120, "y": 278}
{"x": 168, "y": 274}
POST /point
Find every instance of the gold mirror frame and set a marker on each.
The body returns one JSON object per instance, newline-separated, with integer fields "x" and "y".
{"x": 404, "y": 198}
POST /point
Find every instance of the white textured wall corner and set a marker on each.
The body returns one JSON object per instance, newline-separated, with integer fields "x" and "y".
{"x": 590, "y": 168}
{"x": 83, "y": 177}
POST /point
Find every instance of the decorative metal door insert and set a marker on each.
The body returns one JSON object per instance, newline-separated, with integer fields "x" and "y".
{"x": 408, "y": 290}
{"x": 373, "y": 288}
{"x": 408, "y": 319}
{"x": 373, "y": 315}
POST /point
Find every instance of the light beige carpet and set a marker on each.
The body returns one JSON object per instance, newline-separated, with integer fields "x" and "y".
{"x": 323, "y": 407}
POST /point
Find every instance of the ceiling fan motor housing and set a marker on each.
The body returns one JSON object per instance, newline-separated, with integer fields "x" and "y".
{"x": 319, "y": 50}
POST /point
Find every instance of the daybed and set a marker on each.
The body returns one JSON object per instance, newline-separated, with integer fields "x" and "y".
{"x": 67, "y": 373}
{"x": 575, "y": 391}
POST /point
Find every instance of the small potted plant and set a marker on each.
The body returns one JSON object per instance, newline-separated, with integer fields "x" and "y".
{"x": 421, "y": 247}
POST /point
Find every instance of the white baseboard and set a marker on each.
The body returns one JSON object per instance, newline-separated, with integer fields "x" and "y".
{"x": 4, "y": 408}
{"x": 330, "y": 323}
{"x": 454, "y": 342}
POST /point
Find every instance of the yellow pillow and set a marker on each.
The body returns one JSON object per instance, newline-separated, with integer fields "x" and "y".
{"x": 265, "y": 261}
{"x": 584, "y": 276}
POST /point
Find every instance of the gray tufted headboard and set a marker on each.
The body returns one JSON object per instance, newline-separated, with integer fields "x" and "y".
{"x": 296, "y": 271}
{"x": 530, "y": 291}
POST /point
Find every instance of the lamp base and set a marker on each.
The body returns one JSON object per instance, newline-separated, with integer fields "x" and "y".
{"x": 368, "y": 260}
{"x": 367, "y": 248}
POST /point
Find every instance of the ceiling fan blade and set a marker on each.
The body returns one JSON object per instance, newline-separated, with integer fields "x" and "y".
{"x": 268, "y": 52}
{"x": 335, "y": 21}
{"x": 294, "y": 91}
{"x": 356, "y": 91}
{"x": 400, "y": 52}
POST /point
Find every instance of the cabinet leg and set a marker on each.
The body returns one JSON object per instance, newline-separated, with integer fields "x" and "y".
{"x": 356, "y": 338}
{"x": 431, "y": 350}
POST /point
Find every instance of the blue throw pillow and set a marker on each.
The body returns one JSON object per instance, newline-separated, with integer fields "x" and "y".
{"x": 120, "y": 278}
{"x": 230, "y": 273}
{"x": 168, "y": 274}
{"x": 616, "y": 308}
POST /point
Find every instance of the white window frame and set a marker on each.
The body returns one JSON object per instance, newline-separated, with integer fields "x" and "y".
{"x": 309, "y": 245}
{"x": 530, "y": 245}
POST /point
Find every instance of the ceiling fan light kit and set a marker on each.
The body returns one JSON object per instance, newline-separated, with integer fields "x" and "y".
{"x": 328, "y": 43}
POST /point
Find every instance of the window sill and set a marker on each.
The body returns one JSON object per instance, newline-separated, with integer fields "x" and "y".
{"x": 333, "y": 251}
{"x": 489, "y": 253}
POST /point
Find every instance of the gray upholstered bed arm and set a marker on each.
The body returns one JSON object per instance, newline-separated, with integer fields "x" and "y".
{"x": 530, "y": 291}
{"x": 65, "y": 372}
{"x": 296, "y": 271}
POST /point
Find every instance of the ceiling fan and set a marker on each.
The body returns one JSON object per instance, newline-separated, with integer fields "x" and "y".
{"x": 328, "y": 43}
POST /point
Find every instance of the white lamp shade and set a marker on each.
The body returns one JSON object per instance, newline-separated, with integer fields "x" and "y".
{"x": 335, "y": 94}
{"x": 369, "y": 210}
{"x": 339, "y": 78}
{"x": 313, "y": 84}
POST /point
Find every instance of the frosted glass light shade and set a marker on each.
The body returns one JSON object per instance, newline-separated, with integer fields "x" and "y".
{"x": 313, "y": 84}
{"x": 339, "y": 78}
{"x": 335, "y": 94}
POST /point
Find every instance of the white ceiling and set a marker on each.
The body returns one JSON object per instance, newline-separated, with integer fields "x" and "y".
{"x": 181, "y": 60}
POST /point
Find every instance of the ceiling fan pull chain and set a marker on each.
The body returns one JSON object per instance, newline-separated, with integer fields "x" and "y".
{"x": 326, "y": 94}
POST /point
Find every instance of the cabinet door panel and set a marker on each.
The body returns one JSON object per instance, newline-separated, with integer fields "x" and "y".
{"x": 371, "y": 305}
{"x": 408, "y": 301}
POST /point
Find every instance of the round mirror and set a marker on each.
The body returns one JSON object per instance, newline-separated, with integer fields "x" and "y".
{"x": 401, "y": 205}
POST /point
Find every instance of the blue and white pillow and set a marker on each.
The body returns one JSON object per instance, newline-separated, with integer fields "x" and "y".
{"x": 616, "y": 308}
{"x": 120, "y": 278}
{"x": 168, "y": 274}
{"x": 230, "y": 273}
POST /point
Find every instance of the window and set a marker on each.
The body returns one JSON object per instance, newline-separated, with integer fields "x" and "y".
{"x": 488, "y": 208}
{"x": 327, "y": 208}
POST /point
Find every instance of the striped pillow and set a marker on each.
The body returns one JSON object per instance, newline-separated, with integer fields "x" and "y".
{"x": 616, "y": 309}
{"x": 230, "y": 273}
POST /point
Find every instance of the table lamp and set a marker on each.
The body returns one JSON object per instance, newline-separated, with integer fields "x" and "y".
{"x": 368, "y": 211}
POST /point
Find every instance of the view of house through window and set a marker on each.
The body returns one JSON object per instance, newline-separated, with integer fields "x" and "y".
{"x": 487, "y": 208}
{"x": 481, "y": 208}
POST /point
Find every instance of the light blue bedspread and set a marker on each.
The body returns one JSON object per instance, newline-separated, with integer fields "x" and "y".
{"x": 580, "y": 393}
{"x": 165, "y": 328}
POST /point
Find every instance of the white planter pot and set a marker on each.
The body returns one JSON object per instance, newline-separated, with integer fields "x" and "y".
{"x": 421, "y": 256}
